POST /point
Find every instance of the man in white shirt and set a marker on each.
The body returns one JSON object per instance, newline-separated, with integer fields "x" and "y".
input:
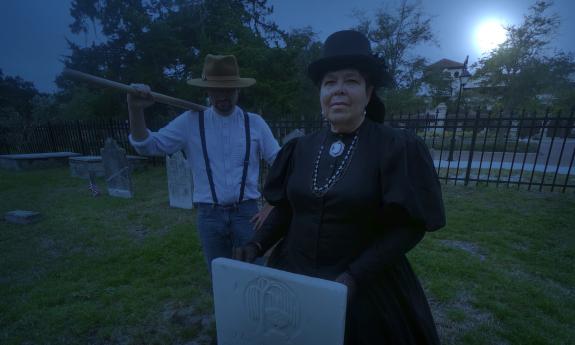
{"x": 224, "y": 145}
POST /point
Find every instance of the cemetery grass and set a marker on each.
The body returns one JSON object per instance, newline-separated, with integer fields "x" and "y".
{"x": 117, "y": 271}
{"x": 502, "y": 270}
{"x": 99, "y": 270}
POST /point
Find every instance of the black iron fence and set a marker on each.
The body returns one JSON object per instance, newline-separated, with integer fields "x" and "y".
{"x": 530, "y": 150}
{"x": 523, "y": 149}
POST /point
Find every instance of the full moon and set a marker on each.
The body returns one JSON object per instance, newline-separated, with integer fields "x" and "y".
{"x": 489, "y": 34}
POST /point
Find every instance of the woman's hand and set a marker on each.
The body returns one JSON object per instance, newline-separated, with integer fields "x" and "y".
{"x": 248, "y": 253}
{"x": 259, "y": 218}
{"x": 349, "y": 281}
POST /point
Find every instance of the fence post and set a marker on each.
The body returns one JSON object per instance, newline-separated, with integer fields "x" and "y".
{"x": 472, "y": 148}
{"x": 452, "y": 141}
{"x": 570, "y": 127}
{"x": 81, "y": 137}
{"x": 50, "y": 129}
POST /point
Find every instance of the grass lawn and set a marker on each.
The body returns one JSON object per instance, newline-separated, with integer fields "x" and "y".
{"x": 115, "y": 271}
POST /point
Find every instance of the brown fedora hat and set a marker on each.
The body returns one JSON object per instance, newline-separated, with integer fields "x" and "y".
{"x": 221, "y": 71}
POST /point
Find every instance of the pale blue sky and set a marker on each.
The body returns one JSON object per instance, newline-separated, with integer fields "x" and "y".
{"x": 33, "y": 32}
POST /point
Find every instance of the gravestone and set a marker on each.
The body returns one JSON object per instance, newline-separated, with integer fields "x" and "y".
{"x": 513, "y": 130}
{"x": 22, "y": 217}
{"x": 117, "y": 170}
{"x": 261, "y": 305}
{"x": 180, "y": 181}
{"x": 34, "y": 161}
{"x": 82, "y": 166}
{"x": 296, "y": 133}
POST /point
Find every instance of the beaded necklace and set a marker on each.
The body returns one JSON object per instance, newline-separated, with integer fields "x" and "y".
{"x": 339, "y": 172}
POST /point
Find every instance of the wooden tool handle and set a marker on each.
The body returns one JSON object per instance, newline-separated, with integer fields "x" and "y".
{"x": 158, "y": 97}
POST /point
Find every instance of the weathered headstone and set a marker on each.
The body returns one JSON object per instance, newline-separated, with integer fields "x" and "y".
{"x": 34, "y": 161}
{"x": 260, "y": 305}
{"x": 22, "y": 217}
{"x": 296, "y": 133}
{"x": 117, "y": 170}
{"x": 82, "y": 165}
{"x": 180, "y": 181}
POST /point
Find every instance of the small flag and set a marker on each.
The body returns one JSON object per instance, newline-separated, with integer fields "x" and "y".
{"x": 92, "y": 187}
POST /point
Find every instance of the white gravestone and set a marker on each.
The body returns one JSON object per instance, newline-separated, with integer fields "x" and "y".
{"x": 117, "y": 170}
{"x": 264, "y": 306}
{"x": 180, "y": 181}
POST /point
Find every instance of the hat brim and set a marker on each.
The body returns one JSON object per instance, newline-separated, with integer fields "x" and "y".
{"x": 366, "y": 64}
{"x": 222, "y": 84}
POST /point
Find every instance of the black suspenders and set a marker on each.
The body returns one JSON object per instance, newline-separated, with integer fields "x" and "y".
{"x": 207, "y": 160}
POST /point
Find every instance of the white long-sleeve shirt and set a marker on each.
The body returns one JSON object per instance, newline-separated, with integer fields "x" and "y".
{"x": 226, "y": 146}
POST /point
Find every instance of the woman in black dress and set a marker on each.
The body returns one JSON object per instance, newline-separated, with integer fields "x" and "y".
{"x": 352, "y": 199}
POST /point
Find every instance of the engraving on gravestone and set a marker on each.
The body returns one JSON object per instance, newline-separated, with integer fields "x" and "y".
{"x": 180, "y": 181}
{"x": 117, "y": 169}
{"x": 273, "y": 307}
{"x": 261, "y": 305}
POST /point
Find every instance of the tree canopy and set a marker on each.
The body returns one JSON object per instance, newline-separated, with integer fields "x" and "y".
{"x": 163, "y": 43}
{"x": 524, "y": 71}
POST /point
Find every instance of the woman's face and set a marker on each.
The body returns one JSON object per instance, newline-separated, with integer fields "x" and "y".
{"x": 344, "y": 96}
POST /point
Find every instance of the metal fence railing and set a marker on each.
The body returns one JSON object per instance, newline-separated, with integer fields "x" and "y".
{"x": 523, "y": 149}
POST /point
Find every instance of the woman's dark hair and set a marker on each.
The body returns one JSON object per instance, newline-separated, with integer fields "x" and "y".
{"x": 375, "y": 110}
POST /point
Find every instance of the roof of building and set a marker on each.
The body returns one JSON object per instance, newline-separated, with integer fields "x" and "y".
{"x": 446, "y": 63}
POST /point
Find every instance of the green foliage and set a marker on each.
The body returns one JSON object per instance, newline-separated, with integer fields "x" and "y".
{"x": 84, "y": 104}
{"x": 163, "y": 44}
{"x": 395, "y": 35}
{"x": 16, "y": 97}
{"x": 438, "y": 83}
{"x": 400, "y": 101}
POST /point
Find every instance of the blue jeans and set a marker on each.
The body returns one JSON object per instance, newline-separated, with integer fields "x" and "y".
{"x": 223, "y": 228}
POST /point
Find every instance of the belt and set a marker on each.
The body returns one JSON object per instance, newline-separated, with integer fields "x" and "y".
{"x": 227, "y": 207}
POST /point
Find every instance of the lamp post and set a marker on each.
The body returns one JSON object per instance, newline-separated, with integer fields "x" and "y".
{"x": 463, "y": 79}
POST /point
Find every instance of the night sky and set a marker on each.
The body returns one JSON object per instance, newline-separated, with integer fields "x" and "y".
{"x": 33, "y": 32}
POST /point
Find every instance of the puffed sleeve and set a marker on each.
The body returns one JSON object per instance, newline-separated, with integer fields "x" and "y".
{"x": 278, "y": 221}
{"x": 409, "y": 181}
{"x": 275, "y": 187}
{"x": 411, "y": 204}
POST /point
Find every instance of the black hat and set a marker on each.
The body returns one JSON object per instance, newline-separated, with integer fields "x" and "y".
{"x": 348, "y": 49}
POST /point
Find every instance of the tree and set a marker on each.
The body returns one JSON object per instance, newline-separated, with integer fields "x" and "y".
{"x": 438, "y": 84}
{"x": 16, "y": 95}
{"x": 394, "y": 35}
{"x": 522, "y": 70}
{"x": 163, "y": 43}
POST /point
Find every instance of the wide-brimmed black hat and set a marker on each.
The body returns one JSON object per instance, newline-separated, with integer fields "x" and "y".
{"x": 348, "y": 49}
